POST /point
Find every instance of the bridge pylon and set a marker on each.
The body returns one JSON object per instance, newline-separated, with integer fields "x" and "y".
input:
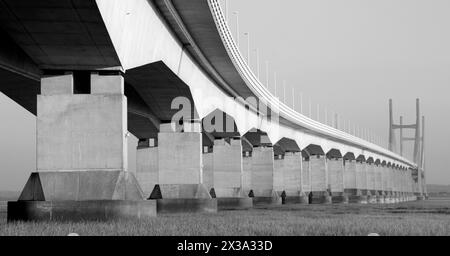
{"x": 418, "y": 139}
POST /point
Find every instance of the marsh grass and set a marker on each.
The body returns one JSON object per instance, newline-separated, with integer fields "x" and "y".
{"x": 415, "y": 218}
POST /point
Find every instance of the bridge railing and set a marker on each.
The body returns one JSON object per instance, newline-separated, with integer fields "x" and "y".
{"x": 257, "y": 87}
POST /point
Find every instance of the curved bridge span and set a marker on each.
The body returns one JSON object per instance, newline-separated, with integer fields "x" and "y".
{"x": 93, "y": 70}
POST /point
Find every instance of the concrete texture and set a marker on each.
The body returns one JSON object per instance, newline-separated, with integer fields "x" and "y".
{"x": 301, "y": 199}
{"x": 336, "y": 175}
{"x": 186, "y": 205}
{"x": 371, "y": 177}
{"x": 81, "y": 186}
{"x": 388, "y": 198}
{"x": 361, "y": 178}
{"x": 320, "y": 193}
{"x": 80, "y": 131}
{"x": 361, "y": 199}
{"x": 350, "y": 174}
{"x": 108, "y": 210}
{"x": 274, "y": 199}
{"x": 107, "y": 84}
{"x": 180, "y": 191}
{"x": 336, "y": 180}
{"x": 228, "y": 168}
{"x": 320, "y": 198}
{"x": 179, "y": 157}
{"x": 384, "y": 179}
{"x": 262, "y": 172}
{"x": 279, "y": 166}
{"x": 388, "y": 180}
{"x": 292, "y": 173}
{"x": 208, "y": 173}
{"x": 234, "y": 203}
{"x": 57, "y": 85}
{"x": 340, "y": 198}
{"x": 306, "y": 176}
{"x": 378, "y": 178}
{"x": 147, "y": 168}
{"x": 351, "y": 189}
{"x": 247, "y": 173}
{"x": 355, "y": 196}
{"x": 319, "y": 179}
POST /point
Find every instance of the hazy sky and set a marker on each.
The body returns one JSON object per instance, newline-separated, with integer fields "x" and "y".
{"x": 348, "y": 55}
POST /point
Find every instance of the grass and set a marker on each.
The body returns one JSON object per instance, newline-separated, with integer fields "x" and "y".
{"x": 415, "y": 218}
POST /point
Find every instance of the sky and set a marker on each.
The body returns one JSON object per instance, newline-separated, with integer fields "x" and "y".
{"x": 348, "y": 56}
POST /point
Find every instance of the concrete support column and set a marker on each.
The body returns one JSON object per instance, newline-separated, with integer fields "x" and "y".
{"x": 400, "y": 184}
{"x": 247, "y": 172}
{"x": 81, "y": 139}
{"x": 262, "y": 177}
{"x": 336, "y": 180}
{"x": 350, "y": 180}
{"x": 208, "y": 169}
{"x": 379, "y": 184}
{"x": 147, "y": 165}
{"x": 411, "y": 186}
{"x": 292, "y": 173}
{"x": 371, "y": 180}
{"x": 227, "y": 165}
{"x": 319, "y": 180}
{"x": 407, "y": 189}
{"x": 395, "y": 190}
{"x": 361, "y": 179}
{"x": 405, "y": 184}
{"x": 306, "y": 175}
{"x": 180, "y": 162}
{"x": 278, "y": 172}
{"x": 82, "y": 131}
{"x": 385, "y": 182}
{"x": 292, "y": 178}
{"x": 228, "y": 168}
{"x": 390, "y": 174}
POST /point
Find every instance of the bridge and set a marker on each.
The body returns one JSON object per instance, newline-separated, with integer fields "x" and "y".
{"x": 211, "y": 135}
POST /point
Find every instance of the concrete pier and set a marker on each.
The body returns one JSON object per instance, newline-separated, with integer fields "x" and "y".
{"x": 180, "y": 186}
{"x": 361, "y": 179}
{"x": 335, "y": 165}
{"x": 393, "y": 183}
{"x": 279, "y": 166}
{"x": 227, "y": 166}
{"x": 262, "y": 177}
{"x": 247, "y": 151}
{"x": 81, "y": 153}
{"x": 208, "y": 169}
{"x": 320, "y": 193}
{"x": 372, "y": 193}
{"x": 288, "y": 159}
{"x": 387, "y": 180}
{"x": 247, "y": 173}
{"x": 262, "y": 168}
{"x": 291, "y": 165}
{"x": 379, "y": 182}
{"x": 350, "y": 185}
{"x": 306, "y": 175}
{"x": 228, "y": 174}
{"x": 147, "y": 165}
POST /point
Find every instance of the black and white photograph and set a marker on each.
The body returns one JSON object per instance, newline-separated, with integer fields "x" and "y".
{"x": 221, "y": 119}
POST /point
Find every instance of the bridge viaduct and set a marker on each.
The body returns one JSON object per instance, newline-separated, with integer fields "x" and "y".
{"x": 210, "y": 134}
